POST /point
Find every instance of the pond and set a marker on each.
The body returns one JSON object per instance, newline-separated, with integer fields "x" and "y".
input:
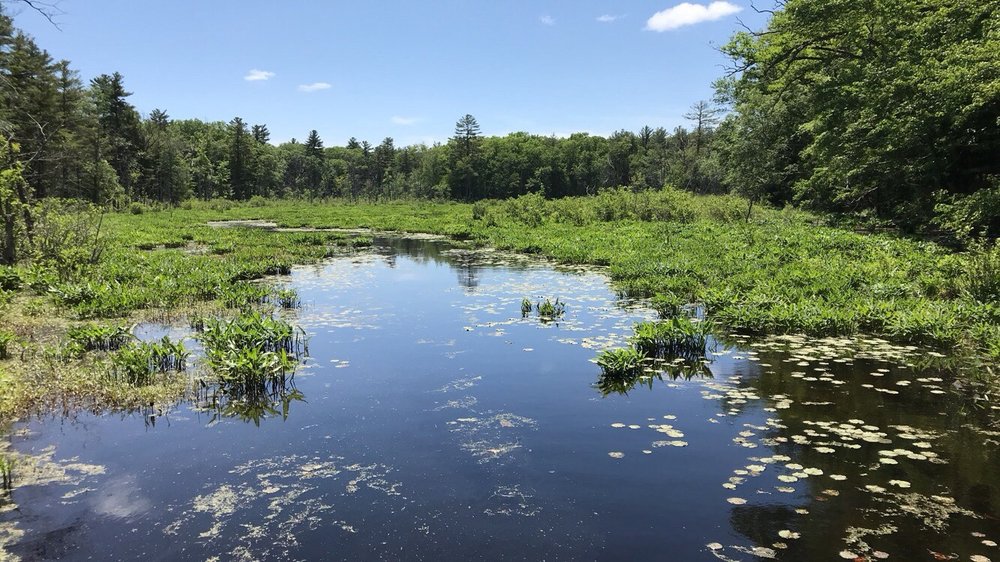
{"x": 432, "y": 420}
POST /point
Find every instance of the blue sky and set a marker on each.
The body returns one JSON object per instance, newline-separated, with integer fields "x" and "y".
{"x": 404, "y": 69}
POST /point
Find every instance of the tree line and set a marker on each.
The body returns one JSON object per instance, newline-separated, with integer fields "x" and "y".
{"x": 889, "y": 109}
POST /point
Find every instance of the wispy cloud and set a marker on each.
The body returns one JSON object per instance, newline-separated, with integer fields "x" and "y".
{"x": 256, "y": 75}
{"x": 547, "y": 20}
{"x": 314, "y": 87}
{"x": 399, "y": 120}
{"x": 690, "y": 14}
{"x": 609, "y": 18}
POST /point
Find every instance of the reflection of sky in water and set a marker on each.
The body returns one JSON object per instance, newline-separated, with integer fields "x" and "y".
{"x": 437, "y": 423}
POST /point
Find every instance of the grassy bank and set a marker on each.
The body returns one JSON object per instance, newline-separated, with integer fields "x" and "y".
{"x": 781, "y": 271}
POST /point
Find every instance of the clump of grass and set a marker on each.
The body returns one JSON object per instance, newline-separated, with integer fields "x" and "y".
{"x": 287, "y": 298}
{"x": 243, "y": 295}
{"x": 96, "y": 337}
{"x": 137, "y": 364}
{"x": 547, "y": 310}
{"x": 677, "y": 337}
{"x": 980, "y": 278}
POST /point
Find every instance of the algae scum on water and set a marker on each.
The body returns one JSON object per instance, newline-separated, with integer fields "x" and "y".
{"x": 444, "y": 403}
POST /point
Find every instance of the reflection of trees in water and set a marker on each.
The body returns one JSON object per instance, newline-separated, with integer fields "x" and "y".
{"x": 468, "y": 277}
{"x": 839, "y": 509}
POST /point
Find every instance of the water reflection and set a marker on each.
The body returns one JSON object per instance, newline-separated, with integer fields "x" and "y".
{"x": 442, "y": 424}
{"x": 662, "y": 370}
{"x": 253, "y": 401}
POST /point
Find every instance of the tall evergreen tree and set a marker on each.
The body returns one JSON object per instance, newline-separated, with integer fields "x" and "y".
{"x": 239, "y": 157}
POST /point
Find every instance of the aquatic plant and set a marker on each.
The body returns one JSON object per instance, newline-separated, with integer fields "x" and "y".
{"x": 91, "y": 337}
{"x": 526, "y": 308}
{"x": 667, "y": 305}
{"x": 677, "y": 337}
{"x": 550, "y": 310}
{"x": 287, "y": 298}
{"x": 622, "y": 362}
{"x": 137, "y": 364}
{"x": 243, "y": 295}
{"x": 251, "y": 347}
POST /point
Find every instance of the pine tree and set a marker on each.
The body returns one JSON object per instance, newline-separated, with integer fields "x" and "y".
{"x": 239, "y": 156}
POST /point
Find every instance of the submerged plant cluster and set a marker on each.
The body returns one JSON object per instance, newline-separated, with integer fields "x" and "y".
{"x": 547, "y": 310}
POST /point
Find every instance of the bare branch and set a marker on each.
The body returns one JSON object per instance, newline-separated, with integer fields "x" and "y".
{"x": 48, "y": 10}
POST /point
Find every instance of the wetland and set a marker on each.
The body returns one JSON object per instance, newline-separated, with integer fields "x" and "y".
{"x": 429, "y": 416}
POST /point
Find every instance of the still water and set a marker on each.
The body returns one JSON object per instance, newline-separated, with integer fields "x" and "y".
{"x": 432, "y": 421}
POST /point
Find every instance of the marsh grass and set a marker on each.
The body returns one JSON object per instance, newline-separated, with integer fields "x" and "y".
{"x": 547, "y": 310}
{"x": 252, "y": 347}
{"x": 669, "y": 339}
{"x": 674, "y": 348}
{"x": 980, "y": 278}
{"x": 243, "y": 295}
{"x": 96, "y": 337}
{"x": 287, "y": 298}
{"x": 138, "y": 363}
{"x": 667, "y": 305}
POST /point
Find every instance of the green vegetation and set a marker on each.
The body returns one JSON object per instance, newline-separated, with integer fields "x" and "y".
{"x": 622, "y": 363}
{"x": 91, "y": 337}
{"x": 138, "y": 363}
{"x": 6, "y": 338}
{"x": 677, "y": 337}
{"x": 287, "y": 298}
{"x": 251, "y": 348}
{"x": 7, "y": 472}
{"x": 547, "y": 310}
{"x": 105, "y": 212}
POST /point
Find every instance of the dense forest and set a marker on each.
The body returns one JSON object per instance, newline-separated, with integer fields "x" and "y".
{"x": 885, "y": 110}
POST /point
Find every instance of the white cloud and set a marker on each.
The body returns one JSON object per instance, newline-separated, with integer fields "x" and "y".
{"x": 398, "y": 120}
{"x": 547, "y": 20}
{"x": 690, "y": 14}
{"x": 314, "y": 87}
{"x": 256, "y": 75}
{"x": 608, "y": 18}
